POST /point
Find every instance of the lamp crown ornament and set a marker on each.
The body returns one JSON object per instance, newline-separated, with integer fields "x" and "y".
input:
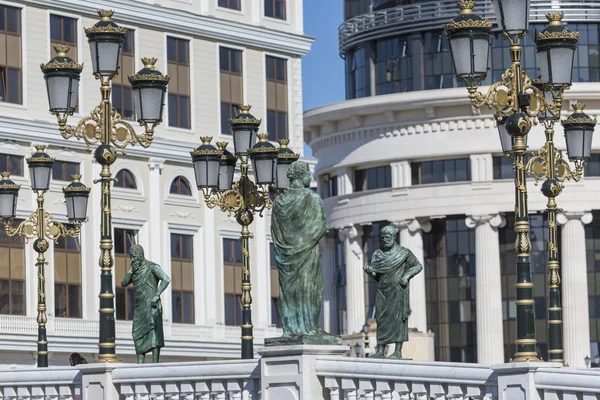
{"x": 578, "y": 107}
{"x": 5, "y": 175}
{"x": 149, "y": 62}
{"x": 222, "y": 145}
{"x": 76, "y": 178}
{"x": 555, "y": 18}
{"x": 245, "y": 108}
{"x": 61, "y": 49}
{"x": 106, "y": 15}
{"x": 263, "y": 137}
{"x": 206, "y": 139}
{"x": 283, "y": 143}
{"x": 40, "y": 147}
{"x": 466, "y": 6}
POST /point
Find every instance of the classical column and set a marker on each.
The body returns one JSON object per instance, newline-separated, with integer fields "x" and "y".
{"x": 328, "y": 266}
{"x": 411, "y": 237}
{"x": 576, "y": 323}
{"x": 490, "y": 343}
{"x": 355, "y": 279}
{"x": 155, "y": 165}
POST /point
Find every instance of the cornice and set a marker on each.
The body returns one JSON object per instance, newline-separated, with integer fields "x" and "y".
{"x": 183, "y": 22}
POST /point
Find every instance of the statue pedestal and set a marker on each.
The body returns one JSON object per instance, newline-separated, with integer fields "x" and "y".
{"x": 289, "y": 371}
{"x": 327, "y": 340}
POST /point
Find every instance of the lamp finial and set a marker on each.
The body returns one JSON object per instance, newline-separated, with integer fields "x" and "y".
{"x": 206, "y": 139}
{"x": 555, "y": 18}
{"x": 105, "y": 14}
{"x": 466, "y": 6}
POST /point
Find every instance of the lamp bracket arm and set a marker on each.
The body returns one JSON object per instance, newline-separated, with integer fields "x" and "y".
{"x": 88, "y": 128}
{"x": 122, "y": 133}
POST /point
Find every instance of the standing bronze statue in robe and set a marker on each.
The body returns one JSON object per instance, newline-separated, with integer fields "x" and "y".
{"x": 393, "y": 266}
{"x": 297, "y": 225}
{"x": 149, "y": 281}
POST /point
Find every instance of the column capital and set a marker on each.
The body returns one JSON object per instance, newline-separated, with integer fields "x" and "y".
{"x": 584, "y": 216}
{"x": 156, "y": 163}
{"x": 351, "y": 232}
{"x": 495, "y": 220}
{"x": 414, "y": 225}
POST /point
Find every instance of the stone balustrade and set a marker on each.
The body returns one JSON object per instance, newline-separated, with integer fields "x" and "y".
{"x": 301, "y": 372}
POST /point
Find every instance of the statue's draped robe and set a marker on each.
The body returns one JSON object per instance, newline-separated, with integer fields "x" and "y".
{"x": 297, "y": 225}
{"x": 147, "y": 320}
{"x": 392, "y": 306}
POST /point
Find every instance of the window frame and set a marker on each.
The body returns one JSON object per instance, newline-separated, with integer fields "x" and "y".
{"x": 22, "y": 163}
{"x": 190, "y": 57}
{"x": 226, "y": 7}
{"x": 10, "y": 245}
{"x": 189, "y": 236}
{"x": 177, "y": 181}
{"x": 387, "y": 169}
{"x": 233, "y": 110}
{"x": 121, "y": 87}
{"x": 275, "y": 134}
{"x": 274, "y": 7}
{"x": 78, "y": 44}
{"x": 232, "y": 262}
{"x": 64, "y": 170}
{"x": 22, "y": 70}
{"x": 67, "y": 283}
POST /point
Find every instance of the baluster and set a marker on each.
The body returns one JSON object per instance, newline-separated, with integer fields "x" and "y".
{"x": 333, "y": 386}
{"x": 569, "y": 396}
{"x": 589, "y": 396}
{"x": 475, "y": 392}
{"x": 234, "y": 390}
{"x": 37, "y": 393}
{"x": 65, "y": 392}
{"x": 419, "y": 391}
{"x": 186, "y": 391}
{"x": 157, "y": 391}
{"x": 171, "y": 391}
{"x": 142, "y": 392}
{"x": 349, "y": 388}
{"x": 366, "y": 386}
{"x": 202, "y": 391}
{"x": 436, "y": 390}
{"x": 10, "y": 393}
{"x": 51, "y": 393}
{"x": 455, "y": 392}
{"x": 23, "y": 393}
{"x": 384, "y": 390}
{"x": 126, "y": 390}
{"x": 251, "y": 387}
{"x": 551, "y": 395}
{"x": 403, "y": 390}
{"x": 217, "y": 390}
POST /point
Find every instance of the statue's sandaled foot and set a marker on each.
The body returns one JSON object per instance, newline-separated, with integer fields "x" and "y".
{"x": 395, "y": 356}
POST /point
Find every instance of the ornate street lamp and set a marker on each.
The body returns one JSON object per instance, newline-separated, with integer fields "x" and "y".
{"x": 285, "y": 158}
{"x": 579, "y": 130}
{"x": 518, "y": 102}
{"x": 40, "y": 226}
{"x": 106, "y": 128}
{"x": 214, "y": 168}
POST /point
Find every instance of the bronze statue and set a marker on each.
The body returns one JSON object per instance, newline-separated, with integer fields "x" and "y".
{"x": 297, "y": 225}
{"x": 393, "y": 266}
{"x": 149, "y": 281}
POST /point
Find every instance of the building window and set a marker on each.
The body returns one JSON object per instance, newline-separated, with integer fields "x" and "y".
{"x": 357, "y": 81}
{"x": 508, "y": 260}
{"x": 277, "y": 94}
{"x": 592, "y": 245}
{"x": 125, "y": 297}
{"x": 353, "y": 8}
{"x": 275, "y": 316}
{"x": 62, "y": 170}
{"x": 232, "y": 264}
{"x": 12, "y": 274}
{"x": 231, "y": 4}
{"x": 232, "y": 87}
{"x": 12, "y": 163}
{"x": 592, "y": 167}
{"x": 275, "y": 9}
{"x": 181, "y": 186}
{"x": 178, "y": 56}
{"x": 373, "y": 178}
{"x": 11, "y": 62}
{"x": 438, "y": 65}
{"x": 331, "y": 186}
{"x": 442, "y": 171}
{"x": 67, "y": 277}
{"x": 393, "y": 66}
{"x": 63, "y": 30}
{"x": 121, "y": 88}
{"x": 371, "y": 243}
{"x": 449, "y": 251}
{"x": 340, "y": 286}
{"x": 182, "y": 270}
{"x": 125, "y": 179}
{"x": 503, "y": 168}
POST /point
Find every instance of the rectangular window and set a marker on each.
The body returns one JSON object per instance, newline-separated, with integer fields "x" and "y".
{"x": 11, "y": 63}
{"x": 230, "y": 64}
{"x": 182, "y": 278}
{"x": 12, "y": 163}
{"x": 275, "y": 9}
{"x": 592, "y": 167}
{"x": 232, "y": 264}
{"x": 62, "y": 170}
{"x": 231, "y": 4}
{"x": 12, "y": 274}
{"x": 125, "y": 297}
{"x": 63, "y": 30}
{"x": 503, "y": 168}
{"x": 121, "y": 88}
{"x": 67, "y": 277}
{"x": 275, "y": 319}
{"x": 441, "y": 171}
{"x": 178, "y": 57}
{"x": 373, "y": 178}
{"x": 277, "y": 93}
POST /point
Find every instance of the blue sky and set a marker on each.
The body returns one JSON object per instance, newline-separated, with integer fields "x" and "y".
{"x": 322, "y": 68}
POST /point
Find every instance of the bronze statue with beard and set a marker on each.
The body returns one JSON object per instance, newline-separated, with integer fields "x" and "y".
{"x": 393, "y": 266}
{"x": 149, "y": 281}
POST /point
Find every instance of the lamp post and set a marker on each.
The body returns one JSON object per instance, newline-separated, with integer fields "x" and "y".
{"x": 214, "y": 169}
{"x": 105, "y": 127}
{"x": 41, "y": 226}
{"x": 520, "y": 101}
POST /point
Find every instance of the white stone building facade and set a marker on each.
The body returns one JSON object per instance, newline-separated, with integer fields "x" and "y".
{"x": 222, "y": 52}
{"x": 407, "y": 148}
